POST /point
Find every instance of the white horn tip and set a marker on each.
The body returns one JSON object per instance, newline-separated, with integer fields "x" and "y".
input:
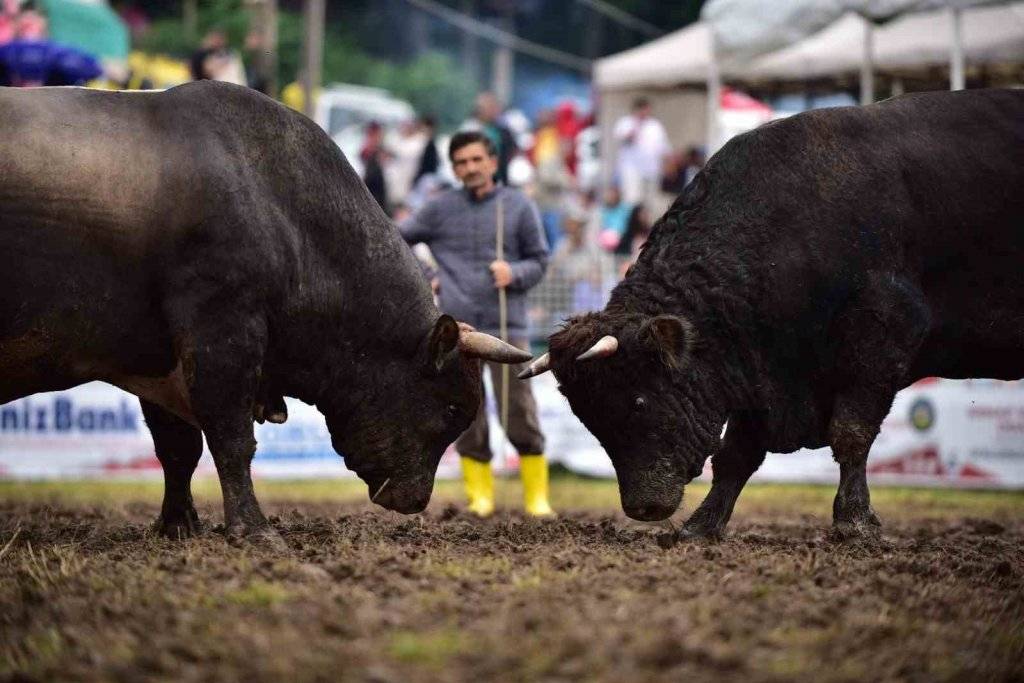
{"x": 605, "y": 346}
{"x": 537, "y": 367}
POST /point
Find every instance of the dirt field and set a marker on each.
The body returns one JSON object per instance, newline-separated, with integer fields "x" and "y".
{"x": 366, "y": 595}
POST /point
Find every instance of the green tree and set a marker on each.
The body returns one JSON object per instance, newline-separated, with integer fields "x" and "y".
{"x": 432, "y": 82}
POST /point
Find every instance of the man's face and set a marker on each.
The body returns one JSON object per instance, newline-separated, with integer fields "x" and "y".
{"x": 474, "y": 166}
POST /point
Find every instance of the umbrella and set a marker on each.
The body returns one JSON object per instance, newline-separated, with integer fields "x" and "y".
{"x": 43, "y": 62}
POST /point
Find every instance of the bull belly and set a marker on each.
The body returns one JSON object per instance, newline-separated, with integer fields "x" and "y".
{"x": 31, "y": 364}
{"x": 170, "y": 392}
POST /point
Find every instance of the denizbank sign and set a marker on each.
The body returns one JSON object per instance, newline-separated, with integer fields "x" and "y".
{"x": 60, "y": 413}
{"x": 938, "y": 433}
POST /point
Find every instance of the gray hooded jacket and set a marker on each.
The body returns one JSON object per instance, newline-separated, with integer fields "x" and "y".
{"x": 461, "y": 232}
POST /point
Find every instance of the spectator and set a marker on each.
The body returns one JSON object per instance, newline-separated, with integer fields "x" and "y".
{"x": 579, "y": 264}
{"x": 373, "y": 157}
{"x": 681, "y": 169}
{"x": 430, "y": 161}
{"x": 553, "y": 179}
{"x": 638, "y": 229}
{"x": 404, "y": 153}
{"x": 426, "y": 188}
{"x": 613, "y": 219}
{"x": 215, "y": 61}
{"x": 568, "y": 125}
{"x": 460, "y": 227}
{"x": 256, "y": 77}
{"x": 485, "y": 120}
{"x": 643, "y": 143}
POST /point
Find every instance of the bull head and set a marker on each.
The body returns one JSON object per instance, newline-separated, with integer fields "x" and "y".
{"x": 449, "y": 337}
{"x": 670, "y": 336}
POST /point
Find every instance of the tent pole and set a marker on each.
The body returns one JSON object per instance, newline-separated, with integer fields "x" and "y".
{"x": 714, "y": 87}
{"x": 312, "y": 52}
{"x": 867, "y": 66}
{"x": 956, "y": 50}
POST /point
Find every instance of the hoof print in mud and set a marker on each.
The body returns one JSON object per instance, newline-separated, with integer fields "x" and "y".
{"x": 667, "y": 540}
{"x": 265, "y": 538}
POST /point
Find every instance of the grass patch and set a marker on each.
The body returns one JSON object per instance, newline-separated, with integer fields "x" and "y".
{"x": 258, "y": 594}
{"x": 466, "y": 567}
{"x": 568, "y": 492}
{"x": 430, "y": 648}
{"x": 37, "y": 653}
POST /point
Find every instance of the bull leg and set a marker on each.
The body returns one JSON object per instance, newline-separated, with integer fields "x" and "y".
{"x": 880, "y": 333}
{"x": 178, "y": 446}
{"x": 741, "y": 454}
{"x": 851, "y": 438}
{"x": 223, "y": 389}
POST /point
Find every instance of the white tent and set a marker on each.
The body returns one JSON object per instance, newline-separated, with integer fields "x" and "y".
{"x": 745, "y": 29}
{"x": 656, "y": 70}
{"x": 674, "y": 71}
{"x": 991, "y": 35}
{"x": 680, "y": 57}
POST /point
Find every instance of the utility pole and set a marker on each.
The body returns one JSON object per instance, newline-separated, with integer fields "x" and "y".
{"x": 503, "y": 64}
{"x": 312, "y": 52}
{"x": 190, "y": 18}
{"x": 956, "y": 49}
{"x": 263, "y": 28}
{"x": 471, "y": 47}
{"x": 867, "y": 65}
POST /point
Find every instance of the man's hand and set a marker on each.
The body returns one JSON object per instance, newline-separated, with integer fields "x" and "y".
{"x": 502, "y": 273}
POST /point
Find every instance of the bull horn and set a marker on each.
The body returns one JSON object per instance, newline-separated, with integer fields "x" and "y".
{"x": 486, "y": 347}
{"x": 605, "y": 346}
{"x": 537, "y": 367}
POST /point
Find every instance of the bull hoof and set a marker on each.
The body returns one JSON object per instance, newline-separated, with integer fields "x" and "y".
{"x": 263, "y": 537}
{"x": 669, "y": 539}
{"x": 867, "y": 529}
{"x": 179, "y": 526}
{"x": 701, "y": 533}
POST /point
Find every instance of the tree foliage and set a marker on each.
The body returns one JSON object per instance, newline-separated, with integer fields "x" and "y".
{"x": 431, "y": 82}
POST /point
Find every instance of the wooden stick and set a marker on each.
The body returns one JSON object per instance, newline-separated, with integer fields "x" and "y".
{"x": 503, "y": 323}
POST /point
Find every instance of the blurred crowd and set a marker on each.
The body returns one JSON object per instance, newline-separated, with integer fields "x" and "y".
{"x": 594, "y": 227}
{"x": 29, "y": 58}
{"x": 596, "y": 213}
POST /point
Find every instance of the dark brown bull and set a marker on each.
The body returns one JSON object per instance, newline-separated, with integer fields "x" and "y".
{"x": 210, "y": 250}
{"x": 817, "y": 266}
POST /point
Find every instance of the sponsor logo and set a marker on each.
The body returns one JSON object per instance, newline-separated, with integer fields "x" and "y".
{"x": 922, "y": 414}
{"x": 63, "y": 415}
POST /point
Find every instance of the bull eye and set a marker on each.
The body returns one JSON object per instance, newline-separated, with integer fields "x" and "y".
{"x": 453, "y": 410}
{"x": 640, "y": 403}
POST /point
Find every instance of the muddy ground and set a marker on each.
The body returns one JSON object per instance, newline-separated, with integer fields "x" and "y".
{"x": 87, "y": 594}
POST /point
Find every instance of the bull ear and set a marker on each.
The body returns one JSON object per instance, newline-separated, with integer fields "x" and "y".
{"x": 444, "y": 339}
{"x": 672, "y": 337}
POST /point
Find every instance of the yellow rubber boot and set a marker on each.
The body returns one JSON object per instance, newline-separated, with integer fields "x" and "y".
{"x": 533, "y": 469}
{"x": 479, "y": 482}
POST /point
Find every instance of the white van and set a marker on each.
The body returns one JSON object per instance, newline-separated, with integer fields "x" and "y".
{"x": 344, "y": 110}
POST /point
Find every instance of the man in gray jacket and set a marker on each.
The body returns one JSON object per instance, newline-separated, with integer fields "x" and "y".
{"x": 461, "y": 228}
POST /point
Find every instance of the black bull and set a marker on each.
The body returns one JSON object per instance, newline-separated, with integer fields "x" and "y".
{"x": 815, "y": 267}
{"x": 212, "y": 251}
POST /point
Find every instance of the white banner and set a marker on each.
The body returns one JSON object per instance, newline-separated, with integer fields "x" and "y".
{"x": 939, "y": 432}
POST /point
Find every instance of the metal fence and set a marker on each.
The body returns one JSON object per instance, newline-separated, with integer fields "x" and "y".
{"x": 575, "y": 282}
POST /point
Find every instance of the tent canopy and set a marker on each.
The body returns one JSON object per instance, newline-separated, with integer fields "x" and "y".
{"x": 744, "y": 29}
{"x": 990, "y": 35}
{"x": 682, "y": 56}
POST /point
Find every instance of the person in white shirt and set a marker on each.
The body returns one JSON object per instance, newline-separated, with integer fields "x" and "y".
{"x": 643, "y": 144}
